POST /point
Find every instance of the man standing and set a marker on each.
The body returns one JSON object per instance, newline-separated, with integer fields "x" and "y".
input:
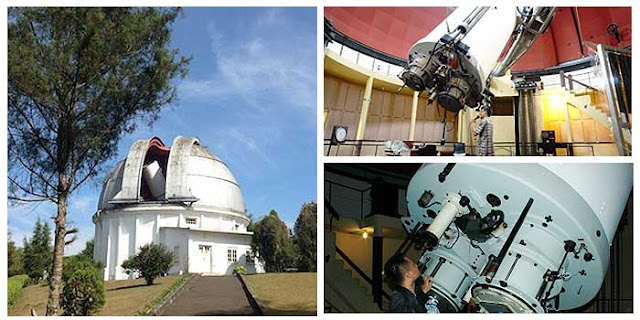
{"x": 484, "y": 131}
{"x": 402, "y": 273}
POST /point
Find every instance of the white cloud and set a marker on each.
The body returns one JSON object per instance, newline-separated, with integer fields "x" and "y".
{"x": 268, "y": 67}
{"x": 83, "y": 204}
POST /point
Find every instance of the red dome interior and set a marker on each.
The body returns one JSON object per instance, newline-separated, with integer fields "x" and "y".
{"x": 394, "y": 30}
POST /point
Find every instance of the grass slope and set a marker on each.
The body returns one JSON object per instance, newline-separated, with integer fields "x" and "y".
{"x": 285, "y": 293}
{"x": 122, "y": 297}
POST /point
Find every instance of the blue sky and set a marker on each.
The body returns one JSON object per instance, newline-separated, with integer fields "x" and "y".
{"x": 250, "y": 97}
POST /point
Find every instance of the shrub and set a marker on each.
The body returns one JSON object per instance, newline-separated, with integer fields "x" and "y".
{"x": 152, "y": 261}
{"x": 15, "y": 285}
{"x": 240, "y": 269}
{"x": 83, "y": 293}
{"x": 78, "y": 262}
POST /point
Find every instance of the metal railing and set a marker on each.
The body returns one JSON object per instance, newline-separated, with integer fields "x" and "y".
{"x": 377, "y": 147}
{"x": 362, "y": 274}
{"x": 567, "y": 81}
{"x": 360, "y": 53}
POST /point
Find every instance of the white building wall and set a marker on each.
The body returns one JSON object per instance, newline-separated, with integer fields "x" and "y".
{"x": 112, "y": 249}
{"x": 220, "y": 243}
{"x": 170, "y": 221}
{"x": 99, "y": 250}
{"x": 120, "y": 233}
{"x": 177, "y": 241}
{"x": 146, "y": 230}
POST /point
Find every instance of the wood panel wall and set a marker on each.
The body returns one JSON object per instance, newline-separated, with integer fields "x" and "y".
{"x": 389, "y": 113}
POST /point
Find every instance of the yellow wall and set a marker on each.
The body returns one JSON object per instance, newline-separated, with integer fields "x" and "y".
{"x": 583, "y": 127}
{"x": 503, "y": 127}
{"x": 389, "y": 113}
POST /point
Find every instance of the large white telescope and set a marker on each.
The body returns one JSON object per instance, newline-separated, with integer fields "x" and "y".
{"x": 527, "y": 238}
{"x": 456, "y": 60}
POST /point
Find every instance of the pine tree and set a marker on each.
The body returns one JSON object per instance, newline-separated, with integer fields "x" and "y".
{"x": 78, "y": 79}
{"x": 14, "y": 258}
{"x": 38, "y": 251}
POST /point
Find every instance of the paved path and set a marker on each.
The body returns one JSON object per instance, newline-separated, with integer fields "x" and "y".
{"x": 209, "y": 296}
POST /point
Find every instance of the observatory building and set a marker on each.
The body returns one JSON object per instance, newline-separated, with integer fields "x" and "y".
{"x": 181, "y": 196}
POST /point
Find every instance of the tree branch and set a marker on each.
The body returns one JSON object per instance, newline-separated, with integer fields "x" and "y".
{"x": 35, "y": 130}
{"x": 31, "y": 192}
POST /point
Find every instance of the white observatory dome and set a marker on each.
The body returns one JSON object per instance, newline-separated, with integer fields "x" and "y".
{"x": 193, "y": 175}
{"x": 183, "y": 197}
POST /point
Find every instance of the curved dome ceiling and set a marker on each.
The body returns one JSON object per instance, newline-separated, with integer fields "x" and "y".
{"x": 394, "y": 30}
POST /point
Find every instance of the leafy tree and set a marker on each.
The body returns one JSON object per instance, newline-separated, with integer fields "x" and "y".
{"x": 290, "y": 254}
{"x": 271, "y": 240}
{"x": 14, "y": 258}
{"x": 152, "y": 261}
{"x": 87, "y": 252}
{"x": 83, "y": 293}
{"x": 252, "y": 221}
{"x": 78, "y": 79}
{"x": 306, "y": 236}
{"x": 37, "y": 251}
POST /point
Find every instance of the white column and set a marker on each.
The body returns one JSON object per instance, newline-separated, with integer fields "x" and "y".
{"x": 414, "y": 116}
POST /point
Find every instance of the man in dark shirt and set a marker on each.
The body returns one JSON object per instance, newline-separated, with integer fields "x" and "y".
{"x": 402, "y": 273}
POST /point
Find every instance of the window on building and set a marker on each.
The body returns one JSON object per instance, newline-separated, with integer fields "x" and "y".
{"x": 191, "y": 220}
{"x": 232, "y": 255}
{"x": 236, "y": 226}
{"x": 249, "y": 257}
{"x": 204, "y": 249}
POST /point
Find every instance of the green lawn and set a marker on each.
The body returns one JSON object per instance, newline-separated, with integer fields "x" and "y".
{"x": 122, "y": 297}
{"x": 285, "y": 293}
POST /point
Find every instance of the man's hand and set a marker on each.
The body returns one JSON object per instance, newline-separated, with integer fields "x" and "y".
{"x": 426, "y": 284}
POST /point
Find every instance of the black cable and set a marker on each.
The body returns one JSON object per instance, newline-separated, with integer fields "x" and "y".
{"x": 476, "y": 246}
{"x": 455, "y": 241}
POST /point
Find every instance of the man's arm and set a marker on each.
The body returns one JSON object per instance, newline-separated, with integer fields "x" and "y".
{"x": 480, "y": 127}
{"x": 423, "y": 285}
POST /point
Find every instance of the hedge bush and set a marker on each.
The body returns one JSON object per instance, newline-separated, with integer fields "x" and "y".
{"x": 240, "y": 269}
{"x": 83, "y": 292}
{"x": 73, "y": 263}
{"x": 15, "y": 285}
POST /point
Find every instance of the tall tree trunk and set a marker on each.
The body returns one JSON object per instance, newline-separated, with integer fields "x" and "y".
{"x": 53, "y": 304}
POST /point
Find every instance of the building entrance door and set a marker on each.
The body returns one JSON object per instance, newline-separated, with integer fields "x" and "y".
{"x": 205, "y": 255}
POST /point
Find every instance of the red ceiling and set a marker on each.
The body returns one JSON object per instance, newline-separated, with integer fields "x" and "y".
{"x": 394, "y": 30}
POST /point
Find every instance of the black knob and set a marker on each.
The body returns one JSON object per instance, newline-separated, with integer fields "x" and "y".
{"x": 588, "y": 256}
{"x": 464, "y": 201}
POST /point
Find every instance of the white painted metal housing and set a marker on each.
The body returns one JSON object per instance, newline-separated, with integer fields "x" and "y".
{"x": 497, "y": 24}
{"x": 581, "y": 202}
